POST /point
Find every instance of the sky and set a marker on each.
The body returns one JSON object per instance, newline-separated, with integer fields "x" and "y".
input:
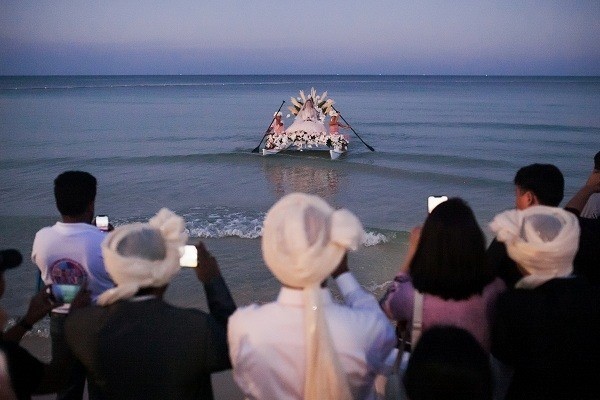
{"x": 397, "y": 37}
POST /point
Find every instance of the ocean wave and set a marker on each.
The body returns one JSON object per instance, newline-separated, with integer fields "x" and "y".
{"x": 375, "y": 238}
{"x": 378, "y": 287}
{"x": 223, "y": 223}
{"x": 485, "y": 126}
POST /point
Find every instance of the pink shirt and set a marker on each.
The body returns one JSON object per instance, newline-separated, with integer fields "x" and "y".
{"x": 474, "y": 314}
{"x": 278, "y": 128}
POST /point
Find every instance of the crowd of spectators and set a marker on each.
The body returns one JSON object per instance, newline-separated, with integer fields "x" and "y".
{"x": 517, "y": 319}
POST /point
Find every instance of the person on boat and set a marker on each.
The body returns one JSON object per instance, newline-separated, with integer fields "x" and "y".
{"x": 308, "y": 112}
{"x": 277, "y": 127}
{"x": 307, "y": 121}
{"x": 334, "y": 124}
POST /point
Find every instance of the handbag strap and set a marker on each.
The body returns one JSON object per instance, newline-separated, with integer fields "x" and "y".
{"x": 417, "y": 325}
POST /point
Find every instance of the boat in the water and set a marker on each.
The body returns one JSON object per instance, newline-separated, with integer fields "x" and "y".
{"x": 308, "y": 131}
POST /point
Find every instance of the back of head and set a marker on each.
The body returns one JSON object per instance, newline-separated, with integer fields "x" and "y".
{"x": 597, "y": 161}
{"x": 74, "y": 191}
{"x": 448, "y": 363}
{"x": 544, "y": 180}
{"x": 450, "y": 259}
{"x": 304, "y": 239}
{"x": 10, "y": 258}
{"x": 542, "y": 240}
{"x": 139, "y": 256}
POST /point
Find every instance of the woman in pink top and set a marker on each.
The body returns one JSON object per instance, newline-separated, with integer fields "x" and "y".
{"x": 446, "y": 263}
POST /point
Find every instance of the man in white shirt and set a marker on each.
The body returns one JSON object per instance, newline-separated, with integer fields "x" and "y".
{"x": 69, "y": 252}
{"x": 305, "y": 345}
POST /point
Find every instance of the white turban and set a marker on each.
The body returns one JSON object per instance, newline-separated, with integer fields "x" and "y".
{"x": 542, "y": 240}
{"x": 304, "y": 240}
{"x": 151, "y": 258}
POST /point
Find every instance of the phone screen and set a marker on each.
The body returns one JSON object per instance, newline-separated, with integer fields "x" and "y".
{"x": 189, "y": 257}
{"x": 64, "y": 293}
{"x": 434, "y": 201}
{"x": 102, "y": 222}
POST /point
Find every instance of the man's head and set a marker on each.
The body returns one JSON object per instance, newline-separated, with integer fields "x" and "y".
{"x": 143, "y": 256}
{"x": 542, "y": 241}
{"x": 448, "y": 363}
{"x": 304, "y": 239}
{"x": 75, "y": 193}
{"x": 538, "y": 184}
{"x": 597, "y": 161}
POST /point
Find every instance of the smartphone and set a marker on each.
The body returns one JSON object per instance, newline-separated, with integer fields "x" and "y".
{"x": 189, "y": 257}
{"x": 64, "y": 293}
{"x": 434, "y": 201}
{"x": 102, "y": 222}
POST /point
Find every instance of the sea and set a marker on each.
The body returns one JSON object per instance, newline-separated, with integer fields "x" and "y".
{"x": 185, "y": 143}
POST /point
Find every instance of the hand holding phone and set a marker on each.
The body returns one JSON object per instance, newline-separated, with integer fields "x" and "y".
{"x": 208, "y": 267}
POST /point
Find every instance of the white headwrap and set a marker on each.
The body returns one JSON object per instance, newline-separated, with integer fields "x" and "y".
{"x": 304, "y": 239}
{"x": 131, "y": 273}
{"x": 542, "y": 240}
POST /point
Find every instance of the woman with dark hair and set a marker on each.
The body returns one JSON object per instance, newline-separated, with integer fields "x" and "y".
{"x": 446, "y": 263}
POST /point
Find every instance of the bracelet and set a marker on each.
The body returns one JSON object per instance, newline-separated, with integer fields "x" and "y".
{"x": 24, "y": 324}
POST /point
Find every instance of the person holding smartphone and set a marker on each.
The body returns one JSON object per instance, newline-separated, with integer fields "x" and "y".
{"x": 23, "y": 374}
{"x": 446, "y": 264}
{"x": 68, "y": 253}
{"x": 134, "y": 344}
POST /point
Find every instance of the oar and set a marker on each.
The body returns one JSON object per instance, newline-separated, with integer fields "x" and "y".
{"x": 255, "y": 150}
{"x": 349, "y": 126}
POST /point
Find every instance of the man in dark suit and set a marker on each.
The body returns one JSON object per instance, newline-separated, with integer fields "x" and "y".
{"x": 133, "y": 344}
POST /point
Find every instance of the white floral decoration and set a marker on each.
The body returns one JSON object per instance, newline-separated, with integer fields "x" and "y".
{"x": 323, "y": 105}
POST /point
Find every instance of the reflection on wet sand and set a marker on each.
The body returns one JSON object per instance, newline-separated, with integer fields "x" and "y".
{"x": 313, "y": 178}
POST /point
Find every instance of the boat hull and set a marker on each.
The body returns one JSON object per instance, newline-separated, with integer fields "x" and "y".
{"x": 334, "y": 154}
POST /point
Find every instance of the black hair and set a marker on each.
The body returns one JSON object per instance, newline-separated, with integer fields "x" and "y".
{"x": 74, "y": 191}
{"x": 450, "y": 260}
{"x": 544, "y": 180}
{"x": 448, "y": 363}
{"x": 597, "y": 161}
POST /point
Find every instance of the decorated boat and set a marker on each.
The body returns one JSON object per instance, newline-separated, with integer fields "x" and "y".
{"x": 308, "y": 131}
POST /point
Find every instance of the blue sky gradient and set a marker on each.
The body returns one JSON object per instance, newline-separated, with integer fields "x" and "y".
{"x": 528, "y": 37}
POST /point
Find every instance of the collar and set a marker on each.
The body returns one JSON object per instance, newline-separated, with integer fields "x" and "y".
{"x": 295, "y": 297}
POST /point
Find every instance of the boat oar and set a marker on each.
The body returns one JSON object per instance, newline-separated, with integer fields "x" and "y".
{"x": 255, "y": 150}
{"x": 343, "y": 119}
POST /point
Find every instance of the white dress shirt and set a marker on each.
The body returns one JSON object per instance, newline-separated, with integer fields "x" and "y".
{"x": 267, "y": 343}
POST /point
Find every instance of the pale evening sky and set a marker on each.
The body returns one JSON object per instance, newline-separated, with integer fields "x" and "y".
{"x": 478, "y": 37}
